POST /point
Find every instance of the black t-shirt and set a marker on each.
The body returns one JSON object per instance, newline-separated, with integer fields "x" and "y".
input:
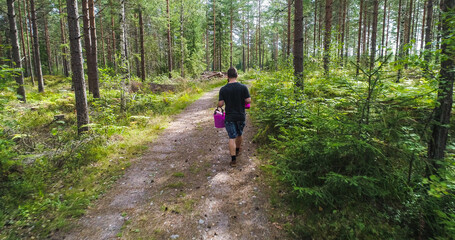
{"x": 234, "y": 95}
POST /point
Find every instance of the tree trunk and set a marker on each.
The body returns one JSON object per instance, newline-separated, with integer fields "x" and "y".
{"x": 289, "y": 28}
{"x": 36, "y": 51}
{"x": 383, "y": 28}
{"x": 136, "y": 47}
{"x": 365, "y": 31}
{"x": 243, "y": 42}
{"x": 321, "y": 11}
{"x": 398, "y": 30}
{"x": 77, "y": 66}
{"x": 214, "y": 36}
{"x": 408, "y": 28}
{"x": 182, "y": 50}
{"x": 102, "y": 41}
{"x": 123, "y": 57}
{"x": 63, "y": 41}
{"x": 87, "y": 42}
{"x": 327, "y": 38}
{"x": 359, "y": 39}
{"x": 343, "y": 26}
{"x": 428, "y": 33}
{"x": 441, "y": 120}
{"x": 248, "y": 41}
{"x": 21, "y": 30}
{"x": 141, "y": 38}
{"x": 29, "y": 44}
{"x": 346, "y": 42}
{"x": 15, "y": 50}
{"x": 207, "y": 48}
{"x": 48, "y": 46}
{"x": 169, "y": 42}
{"x": 373, "y": 33}
{"x": 399, "y": 41}
{"x": 230, "y": 42}
{"x": 387, "y": 32}
{"x": 93, "y": 67}
{"x": 114, "y": 46}
{"x": 315, "y": 26}
{"x": 259, "y": 36}
{"x": 422, "y": 36}
{"x": 298, "y": 43}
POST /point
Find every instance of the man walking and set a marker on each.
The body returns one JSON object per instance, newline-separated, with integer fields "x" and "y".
{"x": 235, "y": 95}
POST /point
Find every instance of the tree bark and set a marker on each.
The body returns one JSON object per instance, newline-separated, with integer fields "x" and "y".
{"x": 327, "y": 38}
{"x": 298, "y": 43}
{"x": 243, "y": 42}
{"x": 259, "y": 36}
{"x": 315, "y": 26}
{"x": 102, "y": 41}
{"x": 373, "y": 34}
{"x": 230, "y": 42}
{"x": 422, "y": 36}
{"x": 398, "y": 30}
{"x": 29, "y": 43}
{"x": 141, "y": 38}
{"x": 169, "y": 42}
{"x": 346, "y": 42}
{"x": 63, "y": 42}
{"x": 441, "y": 120}
{"x": 15, "y": 50}
{"x": 387, "y": 32}
{"x": 214, "y": 36}
{"x": 428, "y": 32}
{"x": 87, "y": 42}
{"x": 248, "y": 41}
{"x": 343, "y": 26}
{"x": 182, "y": 44}
{"x": 36, "y": 51}
{"x": 93, "y": 67}
{"x": 48, "y": 46}
{"x": 207, "y": 48}
{"x": 365, "y": 31}
{"x": 124, "y": 69}
{"x": 359, "y": 39}
{"x": 77, "y": 67}
{"x": 408, "y": 27}
{"x": 21, "y": 30}
{"x": 113, "y": 42}
{"x": 383, "y": 28}
{"x": 289, "y": 28}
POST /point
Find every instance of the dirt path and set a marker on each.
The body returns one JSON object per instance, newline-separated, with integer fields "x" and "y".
{"x": 184, "y": 188}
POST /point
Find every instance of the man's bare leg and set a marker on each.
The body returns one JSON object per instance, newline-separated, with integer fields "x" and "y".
{"x": 232, "y": 146}
{"x": 238, "y": 143}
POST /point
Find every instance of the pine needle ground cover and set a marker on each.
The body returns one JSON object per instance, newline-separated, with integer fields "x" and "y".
{"x": 354, "y": 164}
{"x": 49, "y": 174}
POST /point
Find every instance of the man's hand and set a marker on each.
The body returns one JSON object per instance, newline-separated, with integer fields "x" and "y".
{"x": 248, "y": 100}
{"x": 221, "y": 103}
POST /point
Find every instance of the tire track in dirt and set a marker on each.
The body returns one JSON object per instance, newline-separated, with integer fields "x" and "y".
{"x": 184, "y": 188}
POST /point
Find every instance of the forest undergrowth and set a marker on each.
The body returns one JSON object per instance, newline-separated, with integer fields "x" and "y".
{"x": 49, "y": 173}
{"x": 351, "y": 153}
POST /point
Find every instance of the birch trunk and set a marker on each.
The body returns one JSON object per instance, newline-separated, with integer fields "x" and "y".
{"x": 15, "y": 50}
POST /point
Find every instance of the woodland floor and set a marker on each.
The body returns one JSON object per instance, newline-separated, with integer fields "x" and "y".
{"x": 184, "y": 188}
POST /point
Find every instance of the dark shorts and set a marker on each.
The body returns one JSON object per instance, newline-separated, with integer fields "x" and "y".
{"x": 234, "y": 129}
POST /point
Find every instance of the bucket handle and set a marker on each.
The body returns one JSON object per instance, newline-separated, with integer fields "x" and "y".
{"x": 222, "y": 110}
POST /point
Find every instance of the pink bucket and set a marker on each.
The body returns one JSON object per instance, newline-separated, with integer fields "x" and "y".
{"x": 247, "y": 106}
{"x": 219, "y": 118}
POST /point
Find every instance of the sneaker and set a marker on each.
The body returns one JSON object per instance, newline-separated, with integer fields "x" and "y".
{"x": 233, "y": 163}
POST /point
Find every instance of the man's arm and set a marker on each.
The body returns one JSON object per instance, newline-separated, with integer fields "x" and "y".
{"x": 221, "y": 103}
{"x": 248, "y": 100}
